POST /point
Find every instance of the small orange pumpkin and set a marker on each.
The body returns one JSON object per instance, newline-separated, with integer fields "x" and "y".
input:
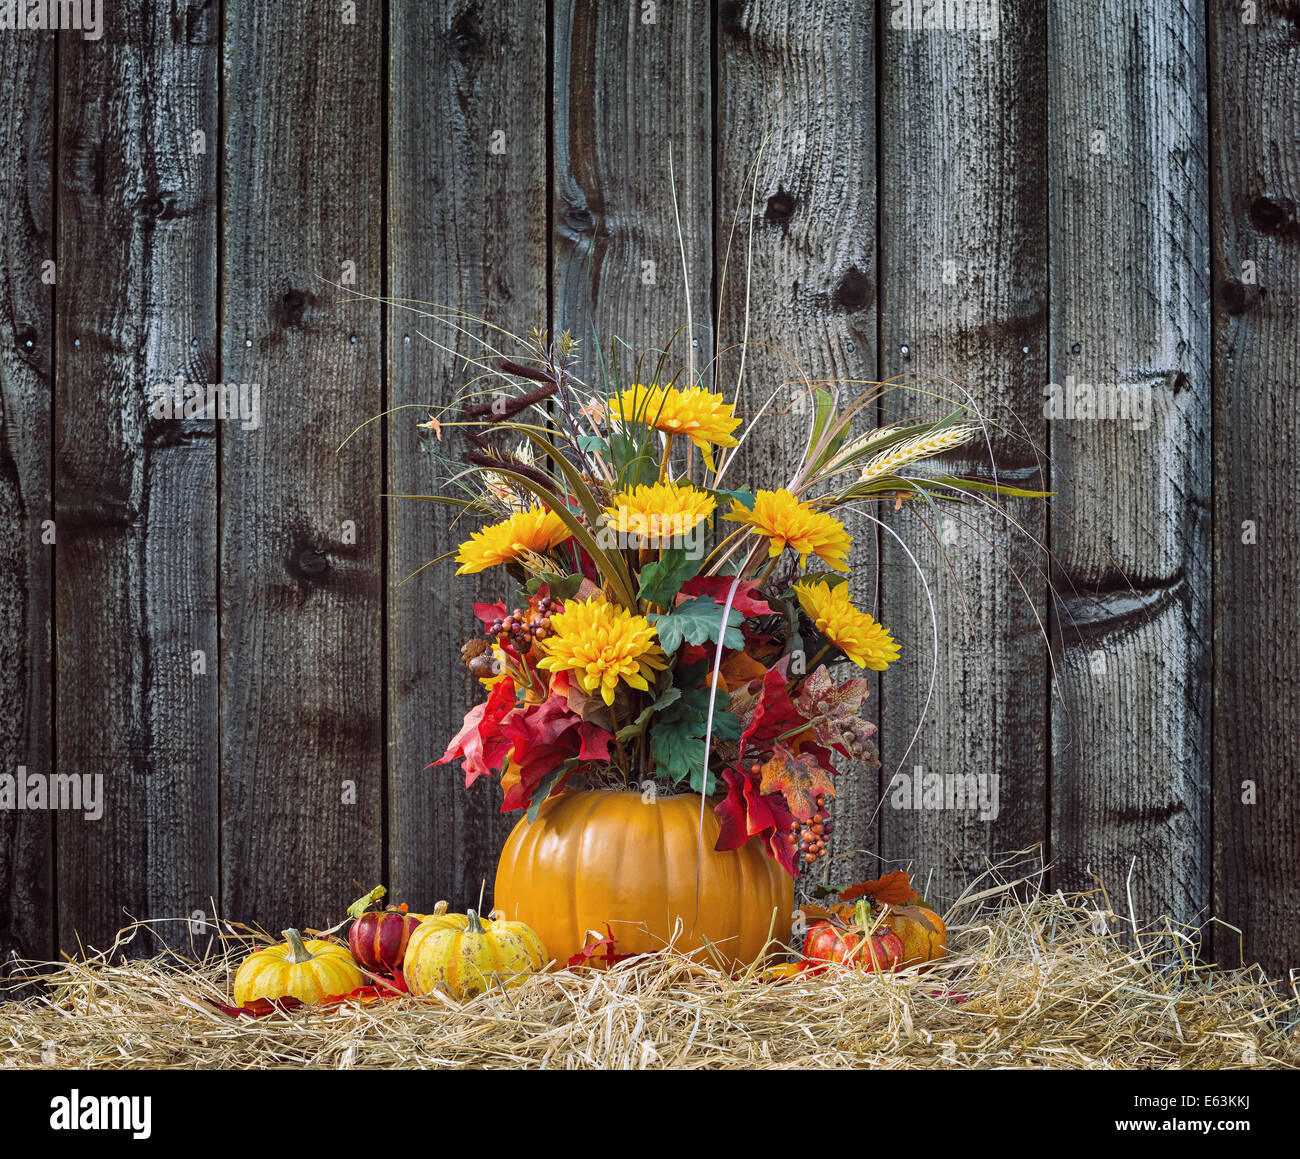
{"x": 868, "y": 944}
{"x": 922, "y": 932}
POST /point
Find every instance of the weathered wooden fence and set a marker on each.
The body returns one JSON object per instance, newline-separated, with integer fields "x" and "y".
{"x": 208, "y": 613}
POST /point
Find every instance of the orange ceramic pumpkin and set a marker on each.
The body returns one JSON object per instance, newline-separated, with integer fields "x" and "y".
{"x": 618, "y": 858}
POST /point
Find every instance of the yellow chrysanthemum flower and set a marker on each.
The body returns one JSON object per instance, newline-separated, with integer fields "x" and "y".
{"x": 661, "y": 511}
{"x": 698, "y": 414}
{"x": 789, "y": 523}
{"x": 537, "y": 529}
{"x": 602, "y": 643}
{"x": 856, "y": 634}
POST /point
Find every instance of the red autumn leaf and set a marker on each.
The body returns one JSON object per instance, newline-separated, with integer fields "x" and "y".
{"x": 260, "y": 1008}
{"x": 594, "y": 742}
{"x": 893, "y": 889}
{"x": 594, "y": 948}
{"x": 745, "y": 813}
{"x": 798, "y": 777}
{"x": 489, "y": 612}
{"x": 480, "y": 741}
{"x": 774, "y": 715}
{"x": 382, "y": 990}
{"x": 542, "y": 737}
{"x": 746, "y": 601}
{"x": 592, "y": 945}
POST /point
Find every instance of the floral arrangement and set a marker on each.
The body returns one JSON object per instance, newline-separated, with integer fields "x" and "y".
{"x": 671, "y": 630}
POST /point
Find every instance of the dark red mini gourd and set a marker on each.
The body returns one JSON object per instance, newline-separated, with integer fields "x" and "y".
{"x": 377, "y": 938}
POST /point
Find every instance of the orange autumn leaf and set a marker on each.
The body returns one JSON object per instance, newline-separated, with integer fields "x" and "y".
{"x": 799, "y": 777}
{"x": 512, "y": 775}
{"x": 892, "y": 889}
{"x": 737, "y": 670}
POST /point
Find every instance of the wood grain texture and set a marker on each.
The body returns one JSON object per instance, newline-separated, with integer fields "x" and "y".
{"x": 629, "y": 94}
{"x": 467, "y": 227}
{"x": 302, "y": 526}
{"x": 136, "y": 509}
{"x": 26, "y": 327}
{"x": 1256, "y": 269}
{"x": 963, "y": 304}
{"x": 796, "y": 236}
{"x": 1130, "y": 769}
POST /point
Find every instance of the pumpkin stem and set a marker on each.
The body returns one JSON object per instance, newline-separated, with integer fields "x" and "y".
{"x": 472, "y": 924}
{"x": 439, "y": 909}
{"x": 862, "y": 914}
{"x": 298, "y": 953}
{"x": 358, "y": 907}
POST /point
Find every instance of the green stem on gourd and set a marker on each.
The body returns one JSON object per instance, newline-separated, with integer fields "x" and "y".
{"x": 298, "y": 953}
{"x": 472, "y": 924}
{"x": 862, "y": 915}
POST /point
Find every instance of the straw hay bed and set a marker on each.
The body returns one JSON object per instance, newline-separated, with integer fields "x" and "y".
{"x": 1049, "y": 982}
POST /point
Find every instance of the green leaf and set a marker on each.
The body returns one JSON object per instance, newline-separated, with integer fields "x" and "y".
{"x": 637, "y": 727}
{"x": 663, "y": 579}
{"x": 744, "y": 498}
{"x": 633, "y": 459}
{"x": 990, "y": 488}
{"x": 547, "y": 787}
{"x": 833, "y": 578}
{"x": 677, "y": 740}
{"x": 562, "y": 587}
{"x": 595, "y": 443}
{"x": 697, "y": 621}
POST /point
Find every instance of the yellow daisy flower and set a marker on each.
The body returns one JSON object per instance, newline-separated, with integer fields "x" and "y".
{"x": 789, "y": 523}
{"x": 698, "y": 414}
{"x": 537, "y": 529}
{"x": 602, "y": 643}
{"x": 661, "y": 511}
{"x": 856, "y": 634}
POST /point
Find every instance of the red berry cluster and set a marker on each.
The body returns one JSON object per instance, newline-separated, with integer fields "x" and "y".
{"x": 522, "y": 626}
{"x": 811, "y": 836}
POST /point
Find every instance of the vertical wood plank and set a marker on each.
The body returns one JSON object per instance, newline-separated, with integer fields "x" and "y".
{"x": 26, "y": 323}
{"x": 1130, "y": 310}
{"x": 796, "y": 98}
{"x": 628, "y": 92}
{"x": 1256, "y": 265}
{"x": 302, "y": 529}
{"x": 467, "y": 227}
{"x": 964, "y": 298}
{"x": 135, "y": 560}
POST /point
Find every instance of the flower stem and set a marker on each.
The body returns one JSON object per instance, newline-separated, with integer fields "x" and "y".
{"x": 668, "y": 454}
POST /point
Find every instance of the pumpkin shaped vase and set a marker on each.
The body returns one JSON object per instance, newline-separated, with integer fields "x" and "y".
{"x": 646, "y": 867}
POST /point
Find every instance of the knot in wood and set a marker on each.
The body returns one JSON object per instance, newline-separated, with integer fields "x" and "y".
{"x": 853, "y": 293}
{"x": 291, "y": 307}
{"x": 780, "y": 207}
{"x": 309, "y": 563}
{"x": 1272, "y": 215}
